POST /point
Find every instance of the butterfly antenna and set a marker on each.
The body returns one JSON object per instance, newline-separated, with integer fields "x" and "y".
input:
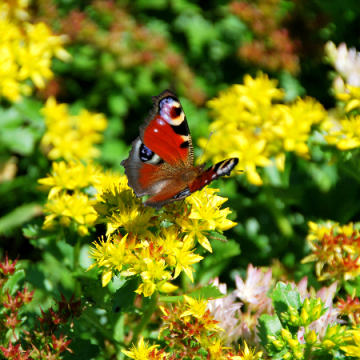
{"x": 205, "y": 147}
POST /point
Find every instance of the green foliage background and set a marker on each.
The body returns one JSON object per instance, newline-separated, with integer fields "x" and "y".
{"x": 205, "y": 35}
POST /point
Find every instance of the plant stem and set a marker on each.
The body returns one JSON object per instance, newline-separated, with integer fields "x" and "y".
{"x": 146, "y": 317}
{"x": 89, "y": 316}
{"x": 280, "y": 219}
{"x": 307, "y": 352}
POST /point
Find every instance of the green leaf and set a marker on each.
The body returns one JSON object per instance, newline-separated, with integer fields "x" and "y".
{"x": 284, "y": 296}
{"x": 214, "y": 263}
{"x": 31, "y": 109}
{"x": 208, "y": 292}
{"x": 118, "y": 105}
{"x": 12, "y": 283}
{"x": 217, "y": 236}
{"x": 10, "y": 118}
{"x": 96, "y": 294}
{"x": 125, "y": 296}
{"x": 20, "y": 140}
{"x": 83, "y": 350}
{"x": 268, "y": 325}
{"x": 19, "y": 216}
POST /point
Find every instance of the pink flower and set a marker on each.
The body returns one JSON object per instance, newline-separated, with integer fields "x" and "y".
{"x": 254, "y": 290}
{"x": 226, "y": 311}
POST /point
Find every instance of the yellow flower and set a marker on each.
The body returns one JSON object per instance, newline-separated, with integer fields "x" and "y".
{"x": 353, "y": 350}
{"x": 9, "y": 86}
{"x": 248, "y": 354}
{"x": 257, "y": 131}
{"x": 352, "y": 98}
{"x": 34, "y": 64}
{"x": 77, "y": 206}
{"x": 71, "y": 137}
{"x": 259, "y": 92}
{"x": 195, "y": 307}
{"x": 317, "y": 231}
{"x": 70, "y": 176}
{"x": 15, "y": 10}
{"x": 206, "y": 208}
{"x": 109, "y": 254}
{"x": 108, "y": 180}
{"x": 41, "y": 35}
{"x": 154, "y": 277}
{"x": 141, "y": 352}
{"x": 185, "y": 258}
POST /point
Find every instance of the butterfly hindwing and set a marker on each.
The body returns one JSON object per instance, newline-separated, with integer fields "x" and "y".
{"x": 144, "y": 169}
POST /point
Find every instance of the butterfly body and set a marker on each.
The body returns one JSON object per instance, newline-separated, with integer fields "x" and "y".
{"x": 160, "y": 163}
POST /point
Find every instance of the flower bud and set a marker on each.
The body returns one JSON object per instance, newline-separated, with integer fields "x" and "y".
{"x": 328, "y": 344}
{"x": 298, "y": 355}
{"x": 310, "y": 337}
{"x": 65, "y": 221}
{"x": 286, "y": 334}
{"x": 293, "y": 343}
{"x": 82, "y": 230}
{"x": 278, "y": 344}
{"x": 304, "y": 317}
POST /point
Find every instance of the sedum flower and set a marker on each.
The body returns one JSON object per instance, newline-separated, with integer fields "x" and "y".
{"x": 346, "y": 62}
{"x": 185, "y": 258}
{"x": 26, "y": 51}
{"x": 351, "y": 308}
{"x": 255, "y": 288}
{"x": 226, "y": 311}
{"x": 248, "y": 354}
{"x": 205, "y": 216}
{"x": 71, "y": 176}
{"x": 142, "y": 351}
{"x": 336, "y": 253}
{"x": 111, "y": 255}
{"x": 71, "y": 137}
{"x": 353, "y": 348}
{"x": 64, "y": 207}
{"x": 257, "y": 131}
{"x": 154, "y": 277}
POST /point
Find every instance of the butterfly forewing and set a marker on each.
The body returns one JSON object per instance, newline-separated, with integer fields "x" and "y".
{"x": 166, "y": 131}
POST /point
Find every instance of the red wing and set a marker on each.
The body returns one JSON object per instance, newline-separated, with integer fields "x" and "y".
{"x": 148, "y": 174}
{"x": 212, "y": 173}
{"x": 174, "y": 193}
{"x": 166, "y": 131}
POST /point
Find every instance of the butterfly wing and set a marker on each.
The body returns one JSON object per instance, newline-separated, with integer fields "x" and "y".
{"x": 166, "y": 131}
{"x": 212, "y": 173}
{"x": 162, "y": 151}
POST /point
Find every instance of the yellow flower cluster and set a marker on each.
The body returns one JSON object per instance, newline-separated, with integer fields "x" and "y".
{"x": 192, "y": 331}
{"x": 70, "y": 136}
{"x": 138, "y": 245}
{"x": 345, "y": 133}
{"x": 25, "y": 50}
{"x": 353, "y": 340}
{"x": 249, "y": 126}
{"x": 68, "y": 202}
{"x": 336, "y": 250}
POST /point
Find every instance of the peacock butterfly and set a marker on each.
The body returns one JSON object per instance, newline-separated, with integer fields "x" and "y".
{"x": 161, "y": 160}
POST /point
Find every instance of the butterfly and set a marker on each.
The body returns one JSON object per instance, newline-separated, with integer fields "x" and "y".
{"x": 161, "y": 160}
